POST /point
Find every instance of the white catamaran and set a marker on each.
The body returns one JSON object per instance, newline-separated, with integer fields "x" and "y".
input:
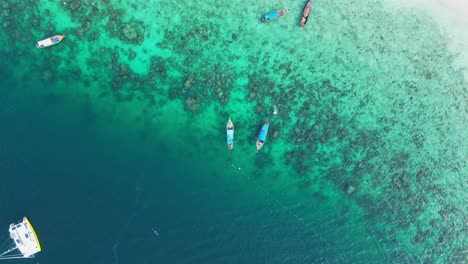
{"x": 24, "y": 240}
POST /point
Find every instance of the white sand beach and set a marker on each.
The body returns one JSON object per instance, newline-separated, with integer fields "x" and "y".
{"x": 452, "y": 16}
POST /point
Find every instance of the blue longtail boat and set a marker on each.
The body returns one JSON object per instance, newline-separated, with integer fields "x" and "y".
{"x": 230, "y": 134}
{"x": 262, "y": 136}
{"x": 273, "y": 15}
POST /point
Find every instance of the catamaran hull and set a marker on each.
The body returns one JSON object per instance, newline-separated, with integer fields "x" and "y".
{"x": 25, "y": 240}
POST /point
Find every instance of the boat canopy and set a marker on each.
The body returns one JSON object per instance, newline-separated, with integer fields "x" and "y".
{"x": 271, "y": 15}
{"x": 24, "y": 240}
{"x": 47, "y": 42}
{"x": 230, "y": 136}
{"x": 263, "y": 133}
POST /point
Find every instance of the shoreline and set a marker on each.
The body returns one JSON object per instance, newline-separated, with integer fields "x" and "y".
{"x": 135, "y": 112}
{"x": 452, "y": 17}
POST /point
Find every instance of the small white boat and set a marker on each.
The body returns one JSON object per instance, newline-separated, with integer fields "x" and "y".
{"x": 24, "y": 240}
{"x": 49, "y": 41}
{"x": 230, "y": 134}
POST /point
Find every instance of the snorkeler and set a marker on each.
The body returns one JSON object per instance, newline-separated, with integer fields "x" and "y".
{"x": 155, "y": 232}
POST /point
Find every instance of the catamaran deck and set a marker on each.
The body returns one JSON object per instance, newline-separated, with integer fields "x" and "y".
{"x": 25, "y": 238}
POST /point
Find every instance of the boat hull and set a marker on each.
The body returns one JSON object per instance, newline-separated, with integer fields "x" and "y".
{"x": 305, "y": 14}
{"x": 49, "y": 41}
{"x": 25, "y": 238}
{"x": 262, "y": 136}
{"x": 259, "y": 145}
{"x": 230, "y": 134}
{"x": 273, "y": 15}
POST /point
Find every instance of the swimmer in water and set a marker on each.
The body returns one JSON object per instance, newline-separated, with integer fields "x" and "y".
{"x": 155, "y": 232}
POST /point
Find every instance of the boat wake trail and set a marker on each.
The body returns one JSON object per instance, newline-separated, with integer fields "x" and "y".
{"x": 115, "y": 247}
{"x": 316, "y": 235}
{"x": 115, "y": 252}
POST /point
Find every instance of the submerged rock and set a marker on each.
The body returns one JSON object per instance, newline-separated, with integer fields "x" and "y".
{"x": 75, "y": 5}
{"x": 252, "y": 96}
{"x": 192, "y": 104}
{"x": 87, "y": 25}
{"x": 129, "y": 32}
{"x": 276, "y": 133}
{"x": 258, "y": 108}
{"x": 350, "y": 189}
{"x": 47, "y": 75}
{"x": 189, "y": 81}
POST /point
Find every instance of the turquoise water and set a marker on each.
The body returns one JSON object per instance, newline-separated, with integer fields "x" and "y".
{"x": 120, "y": 129}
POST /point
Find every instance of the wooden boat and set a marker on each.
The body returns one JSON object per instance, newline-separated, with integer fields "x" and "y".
{"x": 262, "y": 136}
{"x": 305, "y": 13}
{"x": 49, "y": 41}
{"x": 273, "y": 15}
{"x": 230, "y": 134}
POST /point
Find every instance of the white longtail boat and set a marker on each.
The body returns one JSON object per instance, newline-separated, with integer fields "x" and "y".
{"x": 24, "y": 240}
{"x": 230, "y": 134}
{"x": 49, "y": 41}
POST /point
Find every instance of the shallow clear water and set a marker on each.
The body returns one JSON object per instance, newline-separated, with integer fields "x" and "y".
{"x": 120, "y": 129}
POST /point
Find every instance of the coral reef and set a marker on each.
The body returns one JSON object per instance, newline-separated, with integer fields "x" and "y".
{"x": 360, "y": 124}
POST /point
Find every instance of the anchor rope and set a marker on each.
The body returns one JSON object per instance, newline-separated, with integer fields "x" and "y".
{"x": 19, "y": 256}
{"x": 8, "y": 251}
{"x": 5, "y": 242}
{"x": 286, "y": 208}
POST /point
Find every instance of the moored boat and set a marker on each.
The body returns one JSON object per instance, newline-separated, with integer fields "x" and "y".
{"x": 49, "y": 41}
{"x": 230, "y": 134}
{"x": 25, "y": 242}
{"x": 305, "y": 13}
{"x": 262, "y": 136}
{"x": 273, "y": 15}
